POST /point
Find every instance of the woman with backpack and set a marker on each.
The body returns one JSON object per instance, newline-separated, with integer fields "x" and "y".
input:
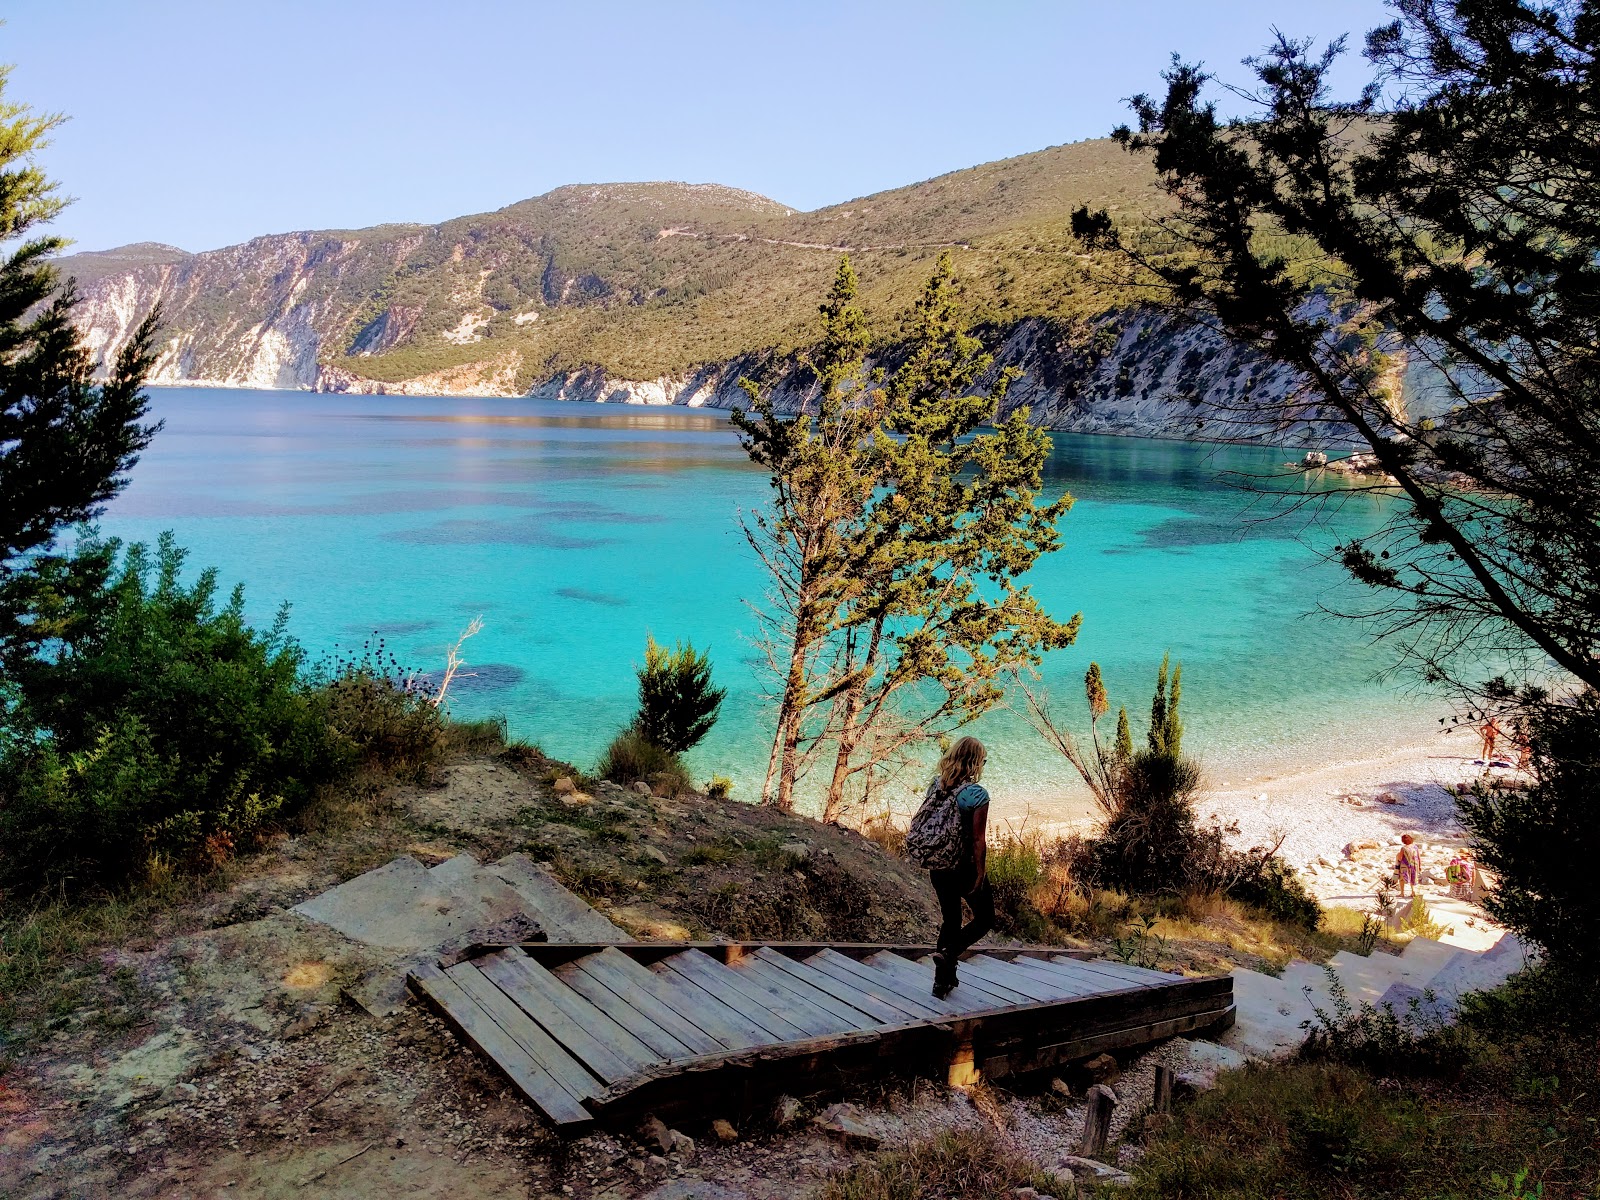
{"x": 947, "y": 839}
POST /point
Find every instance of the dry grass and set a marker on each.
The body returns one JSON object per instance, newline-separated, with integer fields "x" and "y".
{"x": 955, "y": 1165}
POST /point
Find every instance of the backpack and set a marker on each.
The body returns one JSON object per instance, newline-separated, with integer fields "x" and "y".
{"x": 937, "y": 839}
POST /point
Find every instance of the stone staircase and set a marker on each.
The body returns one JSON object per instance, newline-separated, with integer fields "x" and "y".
{"x": 1271, "y": 1008}
{"x": 421, "y": 913}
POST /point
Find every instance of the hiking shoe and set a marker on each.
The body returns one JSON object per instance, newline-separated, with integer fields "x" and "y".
{"x": 944, "y": 976}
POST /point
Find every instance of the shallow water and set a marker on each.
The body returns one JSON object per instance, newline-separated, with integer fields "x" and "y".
{"x": 574, "y": 530}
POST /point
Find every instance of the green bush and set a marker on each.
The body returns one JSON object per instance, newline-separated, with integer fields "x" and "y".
{"x": 1541, "y": 842}
{"x": 158, "y": 730}
{"x": 677, "y": 704}
{"x": 378, "y": 715}
{"x": 631, "y": 757}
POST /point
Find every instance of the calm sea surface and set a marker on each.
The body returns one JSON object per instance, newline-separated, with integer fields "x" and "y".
{"x": 574, "y": 530}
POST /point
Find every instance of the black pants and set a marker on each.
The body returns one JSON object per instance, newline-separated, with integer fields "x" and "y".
{"x": 952, "y": 886}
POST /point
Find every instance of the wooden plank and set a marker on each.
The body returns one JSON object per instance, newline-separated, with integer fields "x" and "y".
{"x": 1136, "y": 976}
{"x": 890, "y": 988}
{"x": 1001, "y": 997}
{"x": 586, "y": 987}
{"x": 917, "y": 982}
{"x": 623, "y": 976}
{"x": 745, "y": 1002}
{"x": 841, "y": 1014}
{"x": 970, "y": 983}
{"x": 1001, "y": 973}
{"x": 1044, "y": 1057}
{"x": 479, "y": 1030}
{"x": 843, "y": 992}
{"x": 785, "y": 998}
{"x": 872, "y": 983}
{"x": 1091, "y": 975}
{"x": 541, "y": 1047}
{"x": 585, "y": 1032}
{"x": 1064, "y": 982}
{"x": 727, "y": 1026}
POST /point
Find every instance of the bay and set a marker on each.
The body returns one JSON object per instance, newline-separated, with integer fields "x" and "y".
{"x": 574, "y": 530}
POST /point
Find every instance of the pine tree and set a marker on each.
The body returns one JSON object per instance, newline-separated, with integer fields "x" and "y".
{"x": 823, "y": 467}
{"x": 677, "y": 703}
{"x": 894, "y": 540}
{"x": 66, "y": 443}
{"x": 956, "y": 521}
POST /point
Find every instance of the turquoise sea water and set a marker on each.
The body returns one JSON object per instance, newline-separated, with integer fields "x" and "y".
{"x": 574, "y": 530}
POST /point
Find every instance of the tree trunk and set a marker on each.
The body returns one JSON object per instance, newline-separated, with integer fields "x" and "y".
{"x": 851, "y": 729}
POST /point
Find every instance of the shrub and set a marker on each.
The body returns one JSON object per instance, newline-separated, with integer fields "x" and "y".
{"x": 1541, "y": 842}
{"x": 677, "y": 704}
{"x": 1016, "y": 870}
{"x": 957, "y": 1162}
{"x": 379, "y": 714}
{"x": 719, "y": 787}
{"x": 160, "y": 730}
{"x": 1392, "y": 1042}
{"x": 885, "y": 833}
{"x": 632, "y": 757}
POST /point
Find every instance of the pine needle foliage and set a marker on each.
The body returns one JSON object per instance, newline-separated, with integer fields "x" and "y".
{"x": 677, "y": 703}
{"x": 895, "y": 538}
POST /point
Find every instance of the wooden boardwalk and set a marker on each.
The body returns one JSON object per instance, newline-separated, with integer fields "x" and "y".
{"x": 604, "y": 1032}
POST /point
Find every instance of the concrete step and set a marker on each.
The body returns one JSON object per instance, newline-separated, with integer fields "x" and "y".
{"x": 563, "y": 916}
{"x": 1427, "y": 955}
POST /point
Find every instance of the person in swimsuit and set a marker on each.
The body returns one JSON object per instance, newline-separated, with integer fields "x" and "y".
{"x": 959, "y": 771}
{"x": 1408, "y": 864}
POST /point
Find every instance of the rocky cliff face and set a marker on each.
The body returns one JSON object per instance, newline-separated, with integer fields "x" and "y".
{"x": 1133, "y": 374}
{"x": 653, "y": 277}
{"x": 263, "y": 315}
{"x": 255, "y": 315}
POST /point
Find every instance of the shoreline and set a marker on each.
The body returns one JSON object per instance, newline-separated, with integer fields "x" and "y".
{"x": 1340, "y": 825}
{"x": 1317, "y": 810}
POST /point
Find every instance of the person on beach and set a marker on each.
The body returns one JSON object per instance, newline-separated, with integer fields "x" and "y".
{"x": 948, "y": 837}
{"x": 1408, "y": 864}
{"x": 1491, "y": 739}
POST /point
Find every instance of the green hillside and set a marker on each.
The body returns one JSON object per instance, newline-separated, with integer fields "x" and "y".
{"x": 639, "y": 280}
{"x": 651, "y": 281}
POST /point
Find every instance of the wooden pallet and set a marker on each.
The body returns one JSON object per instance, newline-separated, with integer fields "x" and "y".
{"x": 600, "y": 1032}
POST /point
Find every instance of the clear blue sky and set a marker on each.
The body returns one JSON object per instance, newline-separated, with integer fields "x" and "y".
{"x": 204, "y": 122}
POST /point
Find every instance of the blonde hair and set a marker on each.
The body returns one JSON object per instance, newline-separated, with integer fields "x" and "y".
{"x": 962, "y": 763}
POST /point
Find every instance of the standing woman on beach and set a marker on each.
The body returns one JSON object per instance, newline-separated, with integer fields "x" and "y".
{"x": 948, "y": 837}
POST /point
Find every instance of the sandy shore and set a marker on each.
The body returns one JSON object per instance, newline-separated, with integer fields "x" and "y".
{"x": 1365, "y": 804}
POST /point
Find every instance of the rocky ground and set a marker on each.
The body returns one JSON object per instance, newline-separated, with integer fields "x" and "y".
{"x": 215, "y": 1049}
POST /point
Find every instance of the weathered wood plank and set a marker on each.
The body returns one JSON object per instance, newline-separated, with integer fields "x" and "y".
{"x": 1064, "y": 982}
{"x": 699, "y": 971}
{"x": 1137, "y": 975}
{"x": 1089, "y": 976}
{"x": 842, "y": 1015}
{"x": 730, "y": 1029}
{"x": 872, "y": 983}
{"x": 969, "y": 985}
{"x": 986, "y": 981}
{"x": 895, "y": 991}
{"x": 784, "y": 998}
{"x": 478, "y": 1029}
{"x": 917, "y": 981}
{"x": 841, "y": 990}
{"x": 587, "y": 987}
{"x": 1045, "y": 1057}
{"x": 586, "y": 1033}
{"x": 1017, "y": 981}
{"x": 639, "y": 988}
{"x": 525, "y": 1031}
